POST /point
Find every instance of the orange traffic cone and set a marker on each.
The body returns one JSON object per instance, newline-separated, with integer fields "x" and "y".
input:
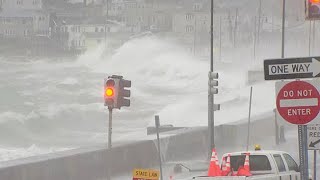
{"x": 218, "y": 166}
{"x": 245, "y": 170}
{"x": 246, "y": 162}
{"x": 226, "y": 169}
{"x": 214, "y": 170}
{"x": 223, "y": 164}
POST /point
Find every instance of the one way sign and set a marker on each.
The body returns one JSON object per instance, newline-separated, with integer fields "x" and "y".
{"x": 291, "y": 68}
{"x": 313, "y": 136}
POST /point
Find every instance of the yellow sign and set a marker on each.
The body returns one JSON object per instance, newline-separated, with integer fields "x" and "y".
{"x": 145, "y": 174}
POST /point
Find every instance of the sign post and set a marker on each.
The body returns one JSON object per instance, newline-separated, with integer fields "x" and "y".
{"x": 303, "y": 151}
{"x": 298, "y": 102}
{"x": 157, "y": 123}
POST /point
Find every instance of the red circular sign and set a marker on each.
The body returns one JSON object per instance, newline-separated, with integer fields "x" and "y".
{"x": 298, "y": 102}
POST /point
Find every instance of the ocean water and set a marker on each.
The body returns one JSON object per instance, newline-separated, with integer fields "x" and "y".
{"x": 50, "y": 105}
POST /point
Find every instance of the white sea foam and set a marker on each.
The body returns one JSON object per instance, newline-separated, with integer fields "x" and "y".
{"x": 64, "y": 98}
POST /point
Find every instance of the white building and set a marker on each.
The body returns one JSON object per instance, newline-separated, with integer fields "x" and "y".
{"x": 23, "y": 18}
{"x": 24, "y": 23}
{"x": 85, "y": 34}
{"x": 21, "y": 5}
{"x": 192, "y": 28}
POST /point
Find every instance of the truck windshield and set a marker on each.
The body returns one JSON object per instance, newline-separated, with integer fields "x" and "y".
{"x": 257, "y": 162}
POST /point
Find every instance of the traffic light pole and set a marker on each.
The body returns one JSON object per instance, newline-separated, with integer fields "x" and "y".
{"x": 210, "y": 95}
{"x": 109, "y": 138}
{"x": 110, "y": 128}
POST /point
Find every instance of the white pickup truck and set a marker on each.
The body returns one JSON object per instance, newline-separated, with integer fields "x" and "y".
{"x": 264, "y": 165}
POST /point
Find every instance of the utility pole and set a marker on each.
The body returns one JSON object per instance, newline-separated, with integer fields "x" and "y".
{"x": 310, "y": 27}
{"x": 220, "y": 38}
{"x": 107, "y": 17}
{"x": 314, "y": 36}
{"x": 259, "y": 21}
{"x": 283, "y": 27}
{"x": 195, "y": 35}
{"x": 254, "y": 38}
{"x": 249, "y": 120}
{"x": 210, "y": 95}
{"x": 272, "y": 23}
{"x": 235, "y": 29}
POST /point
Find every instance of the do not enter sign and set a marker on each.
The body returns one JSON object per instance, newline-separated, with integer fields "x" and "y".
{"x": 298, "y": 102}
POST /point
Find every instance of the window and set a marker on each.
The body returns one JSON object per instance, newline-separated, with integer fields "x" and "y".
{"x": 26, "y": 32}
{"x": 96, "y": 30}
{"x": 257, "y": 162}
{"x": 189, "y": 17}
{"x": 196, "y": 7}
{"x": 291, "y": 163}
{"x": 280, "y": 163}
{"x": 189, "y": 28}
{"x": 153, "y": 19}
{"x": 124, "y": 19}
{"x": 101, "y": 30}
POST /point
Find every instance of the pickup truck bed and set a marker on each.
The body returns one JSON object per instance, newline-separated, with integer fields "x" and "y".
{"x": 264, "y": 165}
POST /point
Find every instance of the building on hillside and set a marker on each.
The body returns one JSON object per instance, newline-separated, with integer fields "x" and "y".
{"x": 24, "y": 23}
{"x": 21, "y": 4}
{"x": 191, "y": 25}
{"x": 23, "y": 18}
{"x": 82, "y": 34}
{"x": 142, "y": 15}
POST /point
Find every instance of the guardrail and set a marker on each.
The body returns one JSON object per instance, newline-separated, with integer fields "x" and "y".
{"x": 94, "y": 163}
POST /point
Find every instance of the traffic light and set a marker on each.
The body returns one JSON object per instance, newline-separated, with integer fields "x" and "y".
{"x": 116, "y": 94}
{"x": 111, "y": 92}
{"x": 213, "y": 83}
{"x": 124, "y": 93}
{"x": 213, "y": 88}
{"x": 313, "y": 9}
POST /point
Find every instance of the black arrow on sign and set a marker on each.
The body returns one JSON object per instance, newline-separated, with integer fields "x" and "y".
{"x": 313, "y": 144}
